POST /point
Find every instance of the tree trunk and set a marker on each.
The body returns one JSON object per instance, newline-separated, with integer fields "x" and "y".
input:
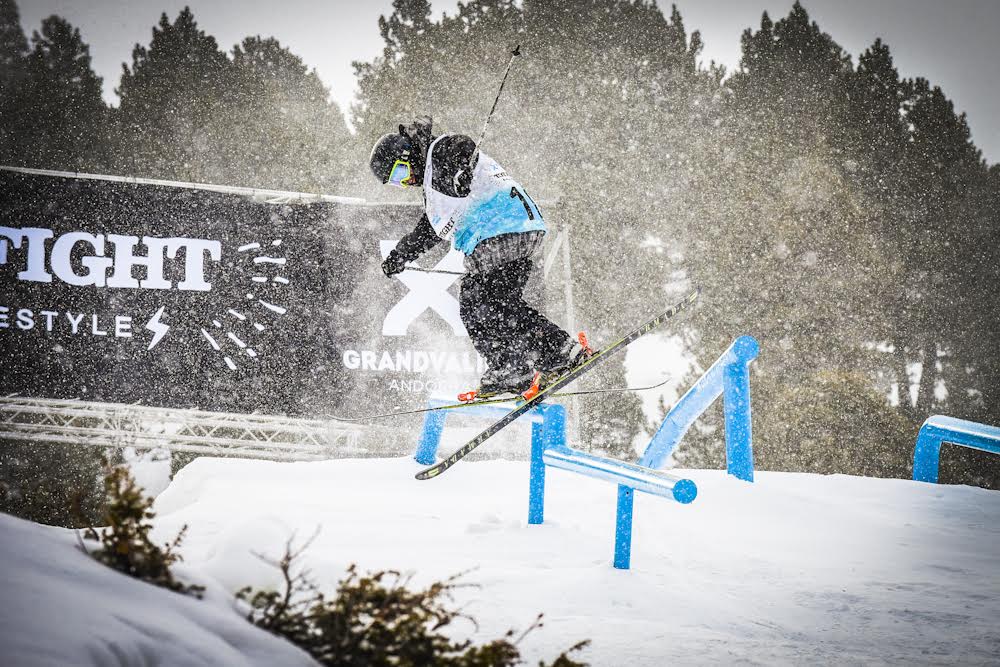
{"x": 903, "y": 380}
{"x": 925, "y": 389}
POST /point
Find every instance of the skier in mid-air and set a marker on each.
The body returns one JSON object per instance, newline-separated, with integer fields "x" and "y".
{"x": 470, "y": 200}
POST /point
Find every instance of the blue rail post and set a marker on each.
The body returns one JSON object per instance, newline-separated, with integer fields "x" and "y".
{"x": 940, "y": 429}
{"x": 552, "y": 434}
{"x": 729, "y": 377}
{"x": 623, "y": 527}
{"x": 736, "y": 407}
{"x": 430, "y": 437}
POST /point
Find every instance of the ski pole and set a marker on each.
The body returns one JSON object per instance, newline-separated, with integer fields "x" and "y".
{"x": 513, "y": 54}
{"x": 417, "y": 268}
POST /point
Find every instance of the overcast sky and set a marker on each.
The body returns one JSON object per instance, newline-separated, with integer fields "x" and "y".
{"x": 955, "y": 44}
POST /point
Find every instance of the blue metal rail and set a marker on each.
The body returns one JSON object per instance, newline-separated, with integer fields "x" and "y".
{"x": 938, "y": 430}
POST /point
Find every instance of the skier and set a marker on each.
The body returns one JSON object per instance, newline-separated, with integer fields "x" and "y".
{"x": 470, "y": 200}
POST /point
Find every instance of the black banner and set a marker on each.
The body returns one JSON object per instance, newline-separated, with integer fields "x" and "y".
{"x": 178, "y": 297}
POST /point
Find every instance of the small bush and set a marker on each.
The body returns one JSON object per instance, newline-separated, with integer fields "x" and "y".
{"x": 125, "y": 542}
{"x": 376, "y": 620}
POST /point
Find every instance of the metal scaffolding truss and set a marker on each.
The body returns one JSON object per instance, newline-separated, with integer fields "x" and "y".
{"x": 143, "y": 427}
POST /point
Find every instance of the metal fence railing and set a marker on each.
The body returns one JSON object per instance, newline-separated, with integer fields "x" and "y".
{"x": 95, "y": 424}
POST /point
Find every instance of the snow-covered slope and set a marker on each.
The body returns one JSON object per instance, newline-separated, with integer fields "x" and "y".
{"x": 60, "y": 607}
{"x": 794, "y": 568}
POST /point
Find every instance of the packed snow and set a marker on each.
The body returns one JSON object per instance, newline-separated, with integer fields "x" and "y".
{"x": 61, "y": 607}
{"x": 792, "y": 568}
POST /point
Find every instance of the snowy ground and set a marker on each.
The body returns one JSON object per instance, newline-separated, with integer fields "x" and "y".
{"x": 61, "y": 607}
{"x": 794, "y": 568}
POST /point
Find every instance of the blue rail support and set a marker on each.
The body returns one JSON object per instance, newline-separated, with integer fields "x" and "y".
{"x": 938, "y": 430}
{"x": 548, "y": 425}
{"x": 629, "y": 476}
{"x": 728, "y": 377}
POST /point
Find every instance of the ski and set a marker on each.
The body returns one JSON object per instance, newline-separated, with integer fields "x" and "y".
{"x": 495, "y": 401}
{"x": 550, "y": 389}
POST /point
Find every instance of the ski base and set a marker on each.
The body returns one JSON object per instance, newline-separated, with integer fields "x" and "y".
{"x": 497, "y": 401}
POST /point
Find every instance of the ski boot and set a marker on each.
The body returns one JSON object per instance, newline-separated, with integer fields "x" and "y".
{"x": 576, "y": 353}
{"x": 495, "y": 383}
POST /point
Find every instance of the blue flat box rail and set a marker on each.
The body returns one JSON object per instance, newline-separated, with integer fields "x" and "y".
{"x": 940, "y": 429}
{"x": 654, "y": 482}
{"x": 728, "y": 378}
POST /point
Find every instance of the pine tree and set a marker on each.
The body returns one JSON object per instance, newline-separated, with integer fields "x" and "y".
{"x": 791, "y": 81}
{"x": 285, "y": 132}
{"x": 783, "y": 247}
{"x": 942, "y": 167}
{"x": 878, "y": 134}
{"x": 391, "y": 83}
{"x": 982, "y": 257}
{"x": 174, "y": 102}
{"x": 13, "y": 43}
{"x": 876, "y": 145}
{"x": 61, "y": 116}
{"x": 787, "y": 252}
{"x": 13, "y": 65}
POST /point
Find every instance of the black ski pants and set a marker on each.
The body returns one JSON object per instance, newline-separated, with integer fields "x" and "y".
{"x": 504, "y": 329}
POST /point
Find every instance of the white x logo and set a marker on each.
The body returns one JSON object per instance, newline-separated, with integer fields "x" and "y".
{"x": 427, "y": 290}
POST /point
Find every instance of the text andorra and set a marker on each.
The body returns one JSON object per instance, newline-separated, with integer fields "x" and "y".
{"x": 36, "y": 245}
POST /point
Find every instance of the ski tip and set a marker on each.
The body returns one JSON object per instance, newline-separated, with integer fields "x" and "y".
{"x": 428, "y": 473}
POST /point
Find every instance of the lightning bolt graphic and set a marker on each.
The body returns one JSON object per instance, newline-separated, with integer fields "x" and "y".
{"x": 158, "y": 328}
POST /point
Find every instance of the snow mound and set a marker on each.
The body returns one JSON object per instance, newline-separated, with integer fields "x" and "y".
{"x": 61, "y": 607}
{"x": 794, "y": 568}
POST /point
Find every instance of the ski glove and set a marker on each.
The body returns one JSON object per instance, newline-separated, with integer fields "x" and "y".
{"x": 393, "y": 264}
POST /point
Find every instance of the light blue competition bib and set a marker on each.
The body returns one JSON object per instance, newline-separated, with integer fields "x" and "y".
{"x": 496, "y": 205}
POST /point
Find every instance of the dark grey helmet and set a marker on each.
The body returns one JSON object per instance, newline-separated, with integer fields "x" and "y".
{"x": 387, "y": 150}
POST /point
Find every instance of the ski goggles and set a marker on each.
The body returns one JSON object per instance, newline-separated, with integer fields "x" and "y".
{"x": 400, "y": 174}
